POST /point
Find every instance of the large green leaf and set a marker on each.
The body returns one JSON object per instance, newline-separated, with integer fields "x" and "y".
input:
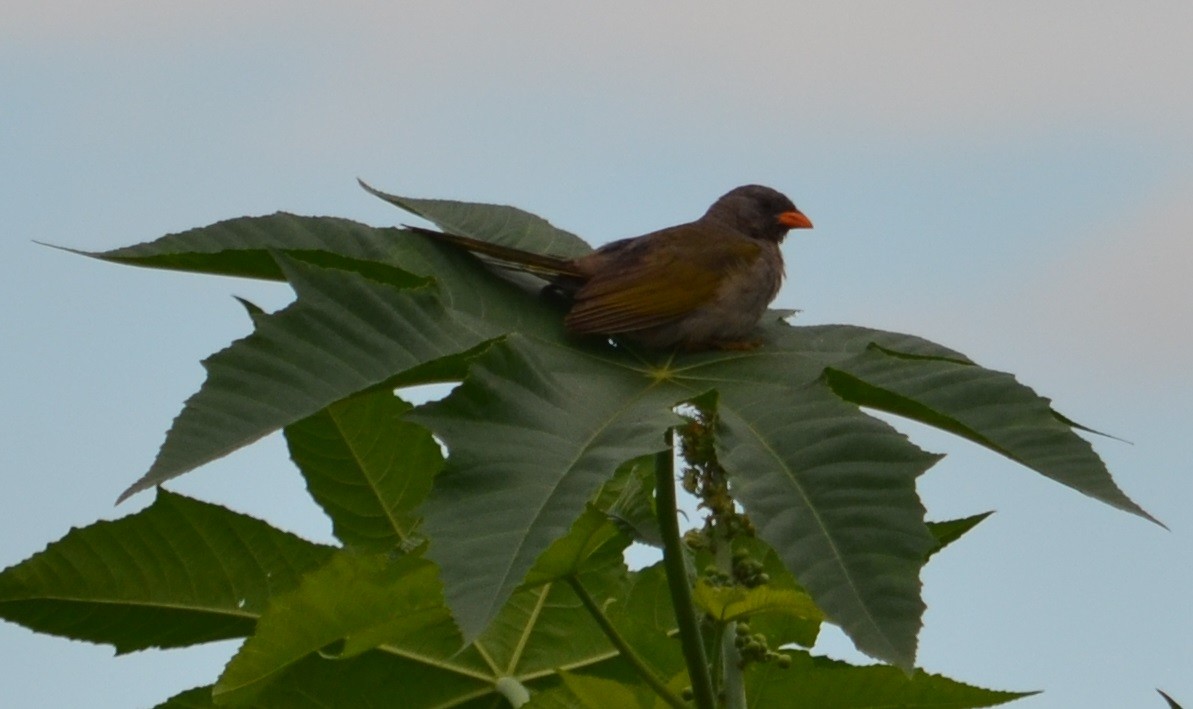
{"x": 857, "y": 547}
{"x": 985, "y": 406}
{"x": 347, "y": 308}
{"x": 345, "y": 333}
{"x": 367, "y": 468}
{"x": 390, "y": 601}
{"x": 242, "y": 246}
{"x": 361, "y": 613}
{"x": 532, "y": 433}
{"x": 833, "y": 492}
{"x": 500, "y": 224}
{"x": 829, "y": 684}
{"x": 179, "y": 572}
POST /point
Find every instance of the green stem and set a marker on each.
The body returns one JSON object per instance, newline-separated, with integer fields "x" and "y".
{"x": 677, "y": 581}
{"x": 644, "y": 670}
{"x": 733, "y": 682}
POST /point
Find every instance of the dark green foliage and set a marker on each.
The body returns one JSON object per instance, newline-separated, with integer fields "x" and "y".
{"x": 458, "y": 579}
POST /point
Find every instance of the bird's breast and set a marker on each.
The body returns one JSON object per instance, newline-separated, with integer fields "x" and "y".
{"x": 746, "y": 291}
{"x": 741, "y": 298}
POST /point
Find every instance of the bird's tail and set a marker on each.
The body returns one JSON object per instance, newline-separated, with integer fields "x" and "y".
{"x": 549, "y": 267}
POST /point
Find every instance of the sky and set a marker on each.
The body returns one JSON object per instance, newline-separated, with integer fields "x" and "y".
{"x": 1013, "y": 180}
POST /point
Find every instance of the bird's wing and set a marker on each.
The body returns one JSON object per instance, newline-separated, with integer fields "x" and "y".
{"x": 645, "y": 288}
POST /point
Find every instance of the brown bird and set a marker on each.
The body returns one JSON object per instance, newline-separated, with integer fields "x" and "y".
{"x": 700, "y": 285}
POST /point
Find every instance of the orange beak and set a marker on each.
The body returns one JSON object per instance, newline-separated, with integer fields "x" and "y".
{"x": 794, "y": 219}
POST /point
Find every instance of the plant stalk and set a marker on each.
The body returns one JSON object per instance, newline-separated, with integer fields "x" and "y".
{"x": 732, "y": 679}
{"x": 677, "y": 581}
{"x": 627, "y": 652}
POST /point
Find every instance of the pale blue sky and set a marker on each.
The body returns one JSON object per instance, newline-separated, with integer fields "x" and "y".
{"x": 1009, "y": 180}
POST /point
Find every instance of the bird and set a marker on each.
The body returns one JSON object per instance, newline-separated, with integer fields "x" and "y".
{"x": 697, "y": 286}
